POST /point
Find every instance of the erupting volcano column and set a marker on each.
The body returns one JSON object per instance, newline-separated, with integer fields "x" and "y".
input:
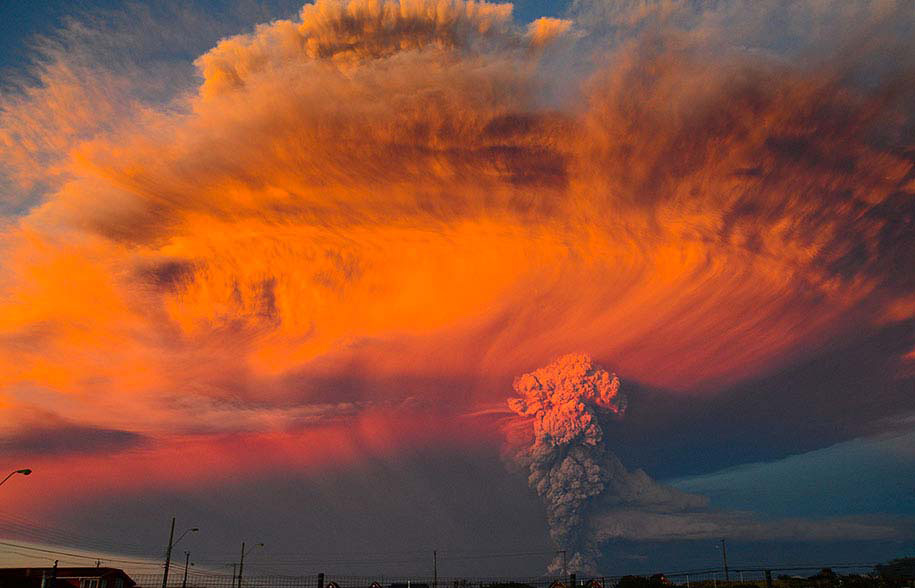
{"x": 568, "y": 463}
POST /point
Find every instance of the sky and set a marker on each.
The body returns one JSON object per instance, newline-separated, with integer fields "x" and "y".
{"x": 365, "y": 279}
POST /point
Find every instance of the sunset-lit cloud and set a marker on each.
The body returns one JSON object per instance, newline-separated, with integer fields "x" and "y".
{"x": 545, "y": 29}
{"x": 383, "y": 212}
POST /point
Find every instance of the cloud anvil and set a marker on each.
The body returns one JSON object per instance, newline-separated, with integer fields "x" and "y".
{"x": 337, "y": 235}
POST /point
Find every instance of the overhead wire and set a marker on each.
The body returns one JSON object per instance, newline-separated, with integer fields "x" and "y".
{"x": 42, "y": 532}
{"x": 48, "y": 535}
{"x": 78, "y": 555}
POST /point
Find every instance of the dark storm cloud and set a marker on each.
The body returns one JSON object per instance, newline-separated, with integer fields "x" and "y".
{"x": 58, "y": 438}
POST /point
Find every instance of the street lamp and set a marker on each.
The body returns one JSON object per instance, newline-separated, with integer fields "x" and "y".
{"x": 181, "y": 536}
{"x": 24, "y": 472}
{"x": 187, "y": 560}
{"x": 241, "y": 563}
{"x": 171, "y": 544}
{"x": 724, "y": 556}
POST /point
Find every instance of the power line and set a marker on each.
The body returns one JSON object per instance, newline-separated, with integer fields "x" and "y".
{"x": 412, "y": 557}
{"x": 45, "y": 528}
{"x": 14, "y": 552}
{"x": 49, "y": 534}
{"x": 88, "y": 557}
{"x": 381, "y": 557}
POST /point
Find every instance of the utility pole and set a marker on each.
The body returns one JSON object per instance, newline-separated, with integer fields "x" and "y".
{"x": 187, "y": 559}
{"x": 434, "y": 568}
{"x": 241, "y": 563}
{"x": 168, "y": 554}
{"x": 724, "y": 556}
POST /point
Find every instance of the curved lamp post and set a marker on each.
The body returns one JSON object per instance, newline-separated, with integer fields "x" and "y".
{"x": 24, "y": 472}
{"x": 171, "y": 544}
{"x": 241, "y": 563}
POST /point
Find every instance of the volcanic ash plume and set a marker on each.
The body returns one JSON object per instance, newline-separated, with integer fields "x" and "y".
{"x": 568, "y": 462}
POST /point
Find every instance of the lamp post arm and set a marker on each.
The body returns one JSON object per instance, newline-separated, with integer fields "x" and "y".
{"x": 24, "y": 472}
{"x": 181, "y": 536}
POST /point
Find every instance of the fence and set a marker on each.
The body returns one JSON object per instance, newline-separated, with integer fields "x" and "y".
{"x": 709, "y": 578}
{"x": 757, "y": 575}
{"x": 204, "y": 580}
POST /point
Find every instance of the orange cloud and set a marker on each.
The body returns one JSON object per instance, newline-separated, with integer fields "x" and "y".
{"x": 545, "y": 29}
{"x": 374, "y": 198}
{"x": 347, "y": 33}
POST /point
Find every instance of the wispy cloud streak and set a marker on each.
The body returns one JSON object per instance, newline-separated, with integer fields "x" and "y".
{"x": 375, "y": 193}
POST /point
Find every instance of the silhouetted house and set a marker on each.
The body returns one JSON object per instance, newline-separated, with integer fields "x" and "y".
{"x": 65, "y": 578}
